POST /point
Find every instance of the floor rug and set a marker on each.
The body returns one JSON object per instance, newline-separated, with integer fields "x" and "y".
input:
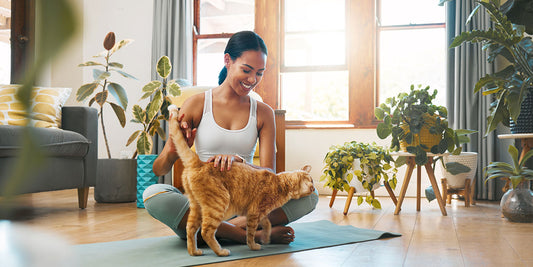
{"x": 172, "y": 251}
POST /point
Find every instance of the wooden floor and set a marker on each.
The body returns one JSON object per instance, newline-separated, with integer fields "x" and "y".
{"x": 474, "y": 236}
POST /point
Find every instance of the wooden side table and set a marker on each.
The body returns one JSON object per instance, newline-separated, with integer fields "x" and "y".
{"x": 431, "y": 174}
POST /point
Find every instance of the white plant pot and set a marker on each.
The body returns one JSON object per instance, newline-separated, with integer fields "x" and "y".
{"x": 355, "y": 181}
{"x": 458, "y": 181}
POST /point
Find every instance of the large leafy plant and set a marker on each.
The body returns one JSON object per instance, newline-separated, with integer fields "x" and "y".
{"x": 404, "y": 116}
{"x": 509, "y": 87}
{"x": 156, "y": 110}
{"x": 375, "y": 164}
{"x": 103, "y": 84}
{"x": 516, "y": 172}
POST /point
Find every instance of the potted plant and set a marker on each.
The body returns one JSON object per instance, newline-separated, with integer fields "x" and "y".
{"x": 115, "y": 180}
{"x": 417, "y": 125}
{"x": 156, "y": 111}
{"x": 511, "y": 87}
{"x": 517, "y": 202}
{"x": 369, "y": 163}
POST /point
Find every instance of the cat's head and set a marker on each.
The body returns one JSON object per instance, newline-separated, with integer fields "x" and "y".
{"x": 304, "y": 186}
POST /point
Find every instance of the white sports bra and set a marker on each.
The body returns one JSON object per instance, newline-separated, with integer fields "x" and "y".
{"x": 211, "y": 139}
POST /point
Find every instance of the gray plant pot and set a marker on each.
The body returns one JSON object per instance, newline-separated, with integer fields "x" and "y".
{"x": 116, "y": 181}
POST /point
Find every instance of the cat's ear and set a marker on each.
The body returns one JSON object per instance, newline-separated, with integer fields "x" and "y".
{"x": 307, "y": 168}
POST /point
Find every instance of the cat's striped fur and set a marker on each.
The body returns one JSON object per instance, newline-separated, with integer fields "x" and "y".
{"x": 216, "y": 195}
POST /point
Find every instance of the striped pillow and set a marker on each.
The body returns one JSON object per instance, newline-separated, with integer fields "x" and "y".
{"x": 46, "y": 104}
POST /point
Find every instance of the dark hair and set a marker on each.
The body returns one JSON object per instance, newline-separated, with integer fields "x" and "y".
{"x": 241, "y": 42}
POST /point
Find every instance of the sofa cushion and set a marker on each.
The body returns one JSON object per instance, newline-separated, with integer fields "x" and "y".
{"x": 55, "y": 142}
{"x": 46, "y": 103}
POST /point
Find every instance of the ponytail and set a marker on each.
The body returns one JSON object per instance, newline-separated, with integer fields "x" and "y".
{"x": 222, "y": 75}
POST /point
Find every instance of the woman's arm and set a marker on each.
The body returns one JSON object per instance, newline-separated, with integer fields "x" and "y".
{"x": 267, "y": 136}
{"x": 188, "y": 115}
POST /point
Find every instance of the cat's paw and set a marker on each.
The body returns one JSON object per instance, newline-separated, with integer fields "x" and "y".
{"x": 223, "y": 252}
{"x": 254, "y": 246}
{"x": 196, "y": 252}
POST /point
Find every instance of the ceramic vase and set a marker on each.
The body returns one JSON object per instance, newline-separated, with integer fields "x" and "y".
{"x": 517, "y": 204}
{"x": 145, "y": 176}
{"x": 524, "y": 122}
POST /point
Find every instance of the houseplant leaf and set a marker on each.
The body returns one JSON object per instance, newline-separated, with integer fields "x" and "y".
{"x": 121, "y": 116}
{"x": 164, "y": 67}
{"x": 119, "y": 94}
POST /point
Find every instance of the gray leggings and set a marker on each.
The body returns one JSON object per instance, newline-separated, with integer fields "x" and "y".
{"x": 168, "y": 205}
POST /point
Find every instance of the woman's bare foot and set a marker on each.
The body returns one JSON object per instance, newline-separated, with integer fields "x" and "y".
{"x": 278, "y": 235}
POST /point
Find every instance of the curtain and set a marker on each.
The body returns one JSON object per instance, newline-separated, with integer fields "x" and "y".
{"x": 466, "y": 64}
{"x": 172, "y": 37}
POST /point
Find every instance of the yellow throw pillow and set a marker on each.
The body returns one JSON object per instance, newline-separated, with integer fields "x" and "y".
{"x": 46, "y": 104}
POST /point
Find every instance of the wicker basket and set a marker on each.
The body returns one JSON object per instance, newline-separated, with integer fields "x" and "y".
{"x": 426, "y": 138}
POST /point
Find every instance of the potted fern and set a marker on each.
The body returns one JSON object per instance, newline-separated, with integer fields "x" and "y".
{"x": 359, "y": 165}
{"x": 517, "y": 202}
{"x": 511, "y": 88}
{"x": 115, "y": 180}
{"x": 151, "y": 117}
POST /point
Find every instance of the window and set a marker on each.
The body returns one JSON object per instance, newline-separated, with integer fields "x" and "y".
{"x": 214, "y": 23}
{"x": 314, "y": 70}
{"x": 16, "y": 39}
{"x": 5, "y": 45}
{"x": 412, "y": 47}
{"x": 331, "y": 63}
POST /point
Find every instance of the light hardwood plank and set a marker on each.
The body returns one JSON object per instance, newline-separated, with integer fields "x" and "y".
{"x": 473, "y": 236}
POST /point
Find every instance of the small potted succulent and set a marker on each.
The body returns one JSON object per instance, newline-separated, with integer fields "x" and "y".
{"x": 517, "y": 202}
{"x": 417, "y": 125}
{"x": 368, "y": 163}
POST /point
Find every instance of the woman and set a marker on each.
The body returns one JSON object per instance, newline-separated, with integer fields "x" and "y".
{"x": 225, "y": 123}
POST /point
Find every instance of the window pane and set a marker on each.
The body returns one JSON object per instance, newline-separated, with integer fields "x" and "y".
{"x": 314, "y": 33}
{"x": 314, "y": 49}
{"x": 5, "y": 47}
{"x": 210, "y": 60}
{"x": 394, "y": 12}
{"x": 419, "y": 58}
{"x": 228, "y": 16}
{"x": 314, "y": 15}
{"x": 315, "y": 96}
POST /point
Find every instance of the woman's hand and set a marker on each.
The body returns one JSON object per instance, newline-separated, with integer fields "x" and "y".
{"x": 188, "y": 133}
{"x": 225, "y": 161}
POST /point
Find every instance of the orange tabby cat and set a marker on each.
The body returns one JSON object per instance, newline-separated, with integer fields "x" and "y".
{"x": 216, "y": 195}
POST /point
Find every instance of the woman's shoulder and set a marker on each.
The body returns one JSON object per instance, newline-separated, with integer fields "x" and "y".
{"x": 264, "y": 113}
{"x": 264, "y": 108}
{"x": 194, "y": 100}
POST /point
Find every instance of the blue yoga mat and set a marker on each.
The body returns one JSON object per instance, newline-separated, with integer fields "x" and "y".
{"x": 172, "y": 251}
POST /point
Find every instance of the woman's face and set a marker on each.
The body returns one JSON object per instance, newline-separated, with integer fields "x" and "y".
{"x": 246, "y": 71}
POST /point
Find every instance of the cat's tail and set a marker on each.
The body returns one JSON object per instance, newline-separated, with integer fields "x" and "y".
{"x": 188, "y": 157}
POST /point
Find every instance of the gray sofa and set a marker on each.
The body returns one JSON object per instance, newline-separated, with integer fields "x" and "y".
{"x": 71, "y": 154}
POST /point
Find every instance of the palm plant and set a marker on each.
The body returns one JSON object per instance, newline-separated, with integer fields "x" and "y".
{"x": 511, "y": 85}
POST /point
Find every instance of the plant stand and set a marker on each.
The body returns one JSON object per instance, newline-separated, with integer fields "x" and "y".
{"x": 353, "y": 191}
{"x": 431, "y": 174}
{"x": 467, "y": 192}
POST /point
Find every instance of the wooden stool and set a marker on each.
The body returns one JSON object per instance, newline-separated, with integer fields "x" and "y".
{"x": 353, "y": 191}
{"x": 467, "y": 192}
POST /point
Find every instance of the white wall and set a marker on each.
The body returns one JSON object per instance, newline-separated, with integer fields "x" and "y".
{"x": 129, "y": 19}
{"x": 132, "y": 19}
{"x": 309, "y": 146}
